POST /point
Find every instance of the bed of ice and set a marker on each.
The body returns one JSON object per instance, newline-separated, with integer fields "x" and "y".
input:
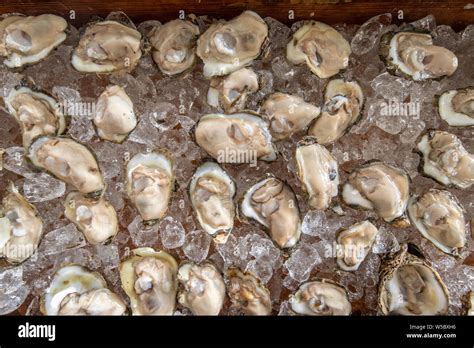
{"x": 168, "y": 108}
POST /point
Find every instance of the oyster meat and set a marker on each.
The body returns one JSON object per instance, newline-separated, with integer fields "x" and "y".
{"x": 456, "y": 107}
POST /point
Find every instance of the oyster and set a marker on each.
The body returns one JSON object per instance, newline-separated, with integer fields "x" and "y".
{"x": 288, "y": 114}
{"x": 21, "y": 227}
{"x": 74, "y": 290}
{"x": 320, "y": 297}
{"x": 440, "y": 218}
{"x": 150, "y": 180}
{"x": 456, "y": 107}
{"x": 409, "y": 286}
{"x": 203, "y": 288}
{"x": 149, "y": 280}
{"x": 97, "y": 219}
{"x": 321, "y": 47}
{"x": 27, "y": 40}
{"x": 415, "y": 55}
{"x": 114, "y": 117}
{"x": 174, "y": 46}
{"x": 211, "y": 191}
{"x": 235, "y": 138}
{"x": 69, "y": 161}
{"x": 227, "y": 46}
{"x": 318, "y": 173}
{"x": 36, "y": 113}
{"x": 355, "y": 243}
{"x": 273, "y": 203}
{"x": 247, "y": 293}
{"x": 342, "y": 107}
{"x": 380, "y": 187}
{"x": 446, "y": 160}
{"x": 470, "y": 310}
{"x": 106, "y": 47}
{"x": 230, "y": 92}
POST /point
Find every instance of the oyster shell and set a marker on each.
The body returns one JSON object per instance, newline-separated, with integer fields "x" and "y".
{"x": 321, "y": 47}
{"x": 174, "y": 46}
{"x": 320, "y": 297}
{"x": 211, "y": 191}
{"x": 203, "y": 289}
{"x": 69, "y": 161}
{"x": 456, "y": 107}
{"x": 446, "y": 160}
{"x": 149, "y": 278}
{"x": 227, "y": 46}
{"x": 273, "y": 204}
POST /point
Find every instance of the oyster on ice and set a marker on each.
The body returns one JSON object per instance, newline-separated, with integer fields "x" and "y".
{"x": 272, "y": 203}
{"x": 203, "y": 288}
{"x": 355, "y": 243}
{"x": 114, "y": 117}
{"x": 247, "y": 293}
{"x": 27, "y": 40}
{"x": 320, "y": 297}
{"x": 230, "y": 92}
{"x": 409, "y": 286}
{"x": 37, "y": 114}
{"x": 318, "y": 173}
{"x": 174, "y": 46}
{"x": 211, "y": 191}
{"x": 446, "y": 160}
{"x": 235, "y": 138}
{"x": 97, "y": 219}
{"x": 343, "y": 102}
{"x": 288, "y": 114}
{"x": 380, "y": 187}
{"x": 150, "y": 180}
{"x": 75, "y": 290}
{"x": 149, "y": 278}
{"x": 228, "y": 46}
{"x": 440, "y": 218}
{"x": 321, "y": 47}
{"x": 70, "y": 161}
{"x": 21, "y": 227}
{"x": 456, "y": 107}
{"x": 106, "y": 47}
{"x": 415, "y": 55}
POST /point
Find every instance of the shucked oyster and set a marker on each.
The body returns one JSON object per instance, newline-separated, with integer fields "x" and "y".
{"x": 457, "y": 107}
{"x": 149, "y": 278}
{"x": 69, "y": 161}
{"x": 318, "y": 172}
{"x": 288, "y": 114}
{"x": 20, "y": 228}
{"x": 211, "y": 191}
{"x": 247, "y": 293}
{"x": 380, "y": 187}
{"x": 97, "y": 219}
{"x": 409, "y": 286}
{"x": 440, "y": 218}
{"x": 273, "y": 203}
{"x": 114, "y": 116}
{"x": 203, "y": 288}
{"x": 174, "y": 46}
{"x": 415, "y": 55}
{"x": 150, "y": 180}
{"x": 342, "y": 105}
{"x": 321, "y": 47}
{"x": 230, "y": 92}
{"x": 107, "y": 46}
{"x": 235, "y": 138}
{"x": 446, "y": 160}
{"x": 27, "y": 40}
{"x": 320, "y": 297}
{"x": 227, "y": 46}
{"x": 74, "y": 290}
{"x": 37, "y": 114}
